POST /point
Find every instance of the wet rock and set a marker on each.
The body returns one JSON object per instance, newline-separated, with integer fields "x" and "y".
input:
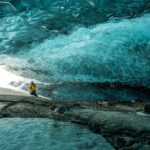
{"x": 77, "y": 104}
{"x": 130, "y": 133}
{"x": 95, "y": 127}
{"x": 126, "y": 141}
{"x": 140, "y": 146}
{"x": 122, "y": 142}
{"x": 147, "y": 108}
{"x": 6, "y": 115}
{"x": 126, "y": 148}
{"x": 60, "y": 109}
{"x": 53, "y": 107}
{"x": 148, "y": 139}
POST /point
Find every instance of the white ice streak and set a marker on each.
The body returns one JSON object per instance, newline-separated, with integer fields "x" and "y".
{"x": 8, "y": 5}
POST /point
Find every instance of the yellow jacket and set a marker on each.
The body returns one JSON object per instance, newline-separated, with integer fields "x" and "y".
{"x": 32, "y": 88}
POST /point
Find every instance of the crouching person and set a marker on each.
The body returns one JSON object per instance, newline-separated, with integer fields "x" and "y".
{"x": 32, "y": 89}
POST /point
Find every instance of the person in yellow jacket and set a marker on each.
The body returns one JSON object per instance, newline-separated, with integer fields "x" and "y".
{"x": 32, "y": 89}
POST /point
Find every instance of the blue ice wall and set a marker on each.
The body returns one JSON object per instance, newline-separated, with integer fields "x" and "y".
{"x": 77, "y": 41}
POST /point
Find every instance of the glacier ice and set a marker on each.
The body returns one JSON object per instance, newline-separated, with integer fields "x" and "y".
{"x": 113, "y": 51}
{"x": 77, "y": 41}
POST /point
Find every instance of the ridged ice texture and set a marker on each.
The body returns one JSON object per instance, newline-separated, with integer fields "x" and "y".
{"x": 84, "y": 40}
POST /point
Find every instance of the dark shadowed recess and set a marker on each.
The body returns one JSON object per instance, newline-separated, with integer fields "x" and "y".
{"x": 83, "y": 91}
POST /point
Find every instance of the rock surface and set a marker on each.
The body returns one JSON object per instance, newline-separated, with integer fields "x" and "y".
{"x": 117, "y": 121}
{"x": 147, "y": 108}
